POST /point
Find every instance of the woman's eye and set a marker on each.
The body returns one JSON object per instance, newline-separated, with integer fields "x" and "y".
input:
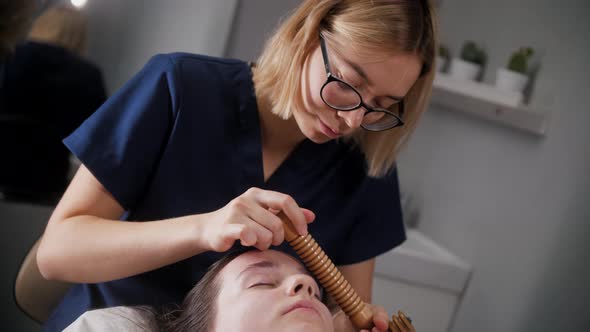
{"x": 348, "y": 80}
{"x": 342, "y": 86}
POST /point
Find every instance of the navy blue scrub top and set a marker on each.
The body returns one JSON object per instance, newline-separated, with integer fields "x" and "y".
{"x": 183, "y": 137}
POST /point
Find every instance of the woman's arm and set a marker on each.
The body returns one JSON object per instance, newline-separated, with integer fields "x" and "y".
{"x": 84, "y": 233}
{"x": 85, "y": 241}
{"x": 360, "y": 277}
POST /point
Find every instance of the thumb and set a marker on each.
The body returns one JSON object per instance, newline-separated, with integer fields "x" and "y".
{"x": 234, "y": 232}
{"x": 309, "y": 215}
{"x": 247, "y": 237}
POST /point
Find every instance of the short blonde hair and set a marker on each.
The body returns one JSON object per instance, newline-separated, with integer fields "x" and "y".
{"x": 61, "y": 25}
{"x": 385, "y": 26}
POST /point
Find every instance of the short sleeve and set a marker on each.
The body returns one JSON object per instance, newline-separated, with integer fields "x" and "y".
{"x": 379, "y": 225}
{"x": 123, "y": 140}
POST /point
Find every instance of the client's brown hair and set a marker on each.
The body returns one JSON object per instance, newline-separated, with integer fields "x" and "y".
{"x": 198, "y": 310}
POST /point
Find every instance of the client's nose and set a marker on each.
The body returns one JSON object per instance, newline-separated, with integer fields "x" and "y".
{"x": 302, "y": 285}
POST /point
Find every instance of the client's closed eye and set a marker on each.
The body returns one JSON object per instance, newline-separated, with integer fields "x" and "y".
{"x": 262, "y": 284}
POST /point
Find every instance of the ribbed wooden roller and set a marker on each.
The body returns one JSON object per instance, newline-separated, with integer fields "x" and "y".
{"x": 328, "y": 276}
{"x": 333, "y": 281}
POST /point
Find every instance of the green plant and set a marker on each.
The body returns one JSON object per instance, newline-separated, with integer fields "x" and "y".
{"x": 443, "y": 51}
{"x": 473, "y": 53}
{"x": 519, "y": 60}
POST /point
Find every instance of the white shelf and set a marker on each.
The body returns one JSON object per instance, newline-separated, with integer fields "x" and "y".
{"x": 487, "y": 102}
{"x": 422, "y": 261}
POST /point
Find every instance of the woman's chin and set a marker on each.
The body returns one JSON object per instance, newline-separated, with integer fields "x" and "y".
{"x": 317, "y": 137}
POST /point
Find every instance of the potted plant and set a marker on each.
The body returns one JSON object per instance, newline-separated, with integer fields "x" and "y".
{"x": 514, "y": 77}
{"x": 469, "y": 65}
{"x": 442, "y": 58}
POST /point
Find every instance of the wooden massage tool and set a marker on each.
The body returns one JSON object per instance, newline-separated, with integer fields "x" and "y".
{"x": 328, "y": 275}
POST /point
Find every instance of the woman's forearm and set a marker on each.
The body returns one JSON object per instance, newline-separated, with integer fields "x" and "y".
{"x": 88, "y": 249}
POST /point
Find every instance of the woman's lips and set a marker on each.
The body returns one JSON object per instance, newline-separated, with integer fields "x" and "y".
{"x": 327, "y": 130}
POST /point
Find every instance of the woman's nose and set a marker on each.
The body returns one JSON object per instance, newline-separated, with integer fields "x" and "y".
{"x": 353, "y": 119}
{"x": 302, "y": 285}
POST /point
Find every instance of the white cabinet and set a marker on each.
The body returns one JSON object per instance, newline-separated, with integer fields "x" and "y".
{"x": 423, "y": 280}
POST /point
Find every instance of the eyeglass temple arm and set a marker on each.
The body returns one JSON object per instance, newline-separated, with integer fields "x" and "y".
{"x": 328, "y": 275}
{"x": 325, "y": 55}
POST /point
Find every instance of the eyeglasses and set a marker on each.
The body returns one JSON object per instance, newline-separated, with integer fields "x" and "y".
{"x": 342, "y": 96}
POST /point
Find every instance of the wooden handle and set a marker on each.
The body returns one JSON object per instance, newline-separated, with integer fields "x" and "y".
{"x": 328, "y": 276}
{"x": 333, "y": 281}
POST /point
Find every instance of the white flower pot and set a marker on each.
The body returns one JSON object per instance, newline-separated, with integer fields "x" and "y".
{"x": 509, "y": 80}
{"x": 464, "y": 70}
{"x": 440, "y": 64}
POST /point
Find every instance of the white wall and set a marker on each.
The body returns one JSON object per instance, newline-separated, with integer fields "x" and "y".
{"x": 125, "y": 34}
{"x": 254, "y": 22}
{"x": 515, "y": 206}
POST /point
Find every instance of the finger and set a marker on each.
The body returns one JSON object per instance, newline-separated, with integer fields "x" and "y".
{"x": 263, "y": 235}
{"x": 309, "y": 215}
{"x": 229, "y": 234}
{"x": 246, "y": 236}
{"x": 380, "y": 323}
{"x": 268, "y": 220}
{"x": 285, "y": 203}
{"x": 380, "y": 319}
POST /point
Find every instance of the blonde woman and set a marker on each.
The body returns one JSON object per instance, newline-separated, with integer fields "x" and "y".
{"x": 49, "y": 89}
{"x": 197, "y": 154}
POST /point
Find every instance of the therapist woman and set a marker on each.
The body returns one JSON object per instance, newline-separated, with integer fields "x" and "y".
{"x": 197, "y": 154}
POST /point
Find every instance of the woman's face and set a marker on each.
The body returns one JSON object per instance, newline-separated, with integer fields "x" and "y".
{"x": 269, "y": 291}
{"x": 376, "y": 77}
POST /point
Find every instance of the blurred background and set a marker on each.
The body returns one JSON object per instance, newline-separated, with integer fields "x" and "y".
{"x": 496, "y": 182}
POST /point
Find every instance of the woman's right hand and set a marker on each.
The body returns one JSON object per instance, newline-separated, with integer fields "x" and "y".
{"x": 251, "y": 218}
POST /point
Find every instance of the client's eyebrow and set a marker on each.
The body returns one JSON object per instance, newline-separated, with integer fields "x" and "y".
{"x": 258, "y": 265}
{"x": 266, "y": 264}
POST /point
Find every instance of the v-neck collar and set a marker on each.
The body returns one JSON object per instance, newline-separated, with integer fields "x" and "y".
{"x": 289, "y": 164}
{"x": 248, "y": 144}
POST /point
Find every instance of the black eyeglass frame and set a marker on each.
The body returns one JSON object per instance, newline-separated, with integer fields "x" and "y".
{"x": 331, "y": 78}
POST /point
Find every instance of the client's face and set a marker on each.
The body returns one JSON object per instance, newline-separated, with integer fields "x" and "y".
{"x": 269, "y": 291}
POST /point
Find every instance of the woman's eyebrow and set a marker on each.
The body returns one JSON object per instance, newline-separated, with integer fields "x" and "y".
{"x": 358, "y": 70}
{"x": 396, "y": 98}
{"x": 362, "y": 74}
{"x": 258, "y": 265}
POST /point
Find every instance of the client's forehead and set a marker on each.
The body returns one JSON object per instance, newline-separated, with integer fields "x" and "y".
{"x": 269, "y": 259}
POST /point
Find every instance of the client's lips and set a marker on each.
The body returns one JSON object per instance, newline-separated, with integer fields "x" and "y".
{"x": 301, "y": 304}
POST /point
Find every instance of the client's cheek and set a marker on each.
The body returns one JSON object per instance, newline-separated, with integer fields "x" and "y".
{"x": 252, "y": 316}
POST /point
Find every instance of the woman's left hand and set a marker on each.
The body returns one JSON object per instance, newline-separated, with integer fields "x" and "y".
{"x": 400, "y": 323}
{"x": 380, "y": 318}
